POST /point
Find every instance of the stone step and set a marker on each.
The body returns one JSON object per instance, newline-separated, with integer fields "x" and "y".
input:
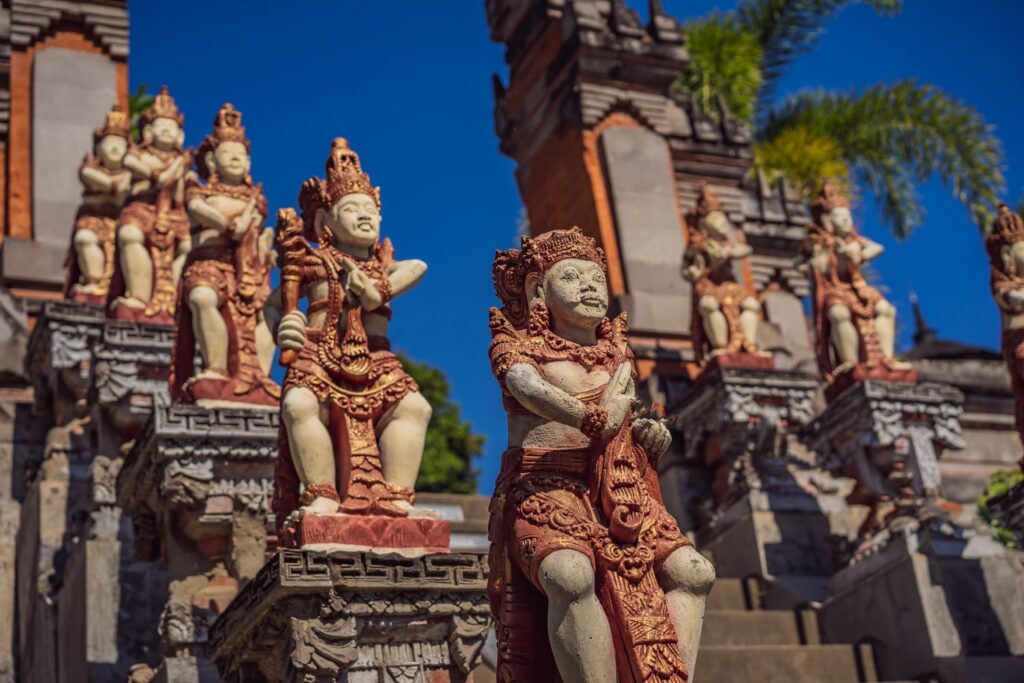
{"x": 731, "y": 594}
{"x": 789, "y": 663}
{"x": 759, "y": 627}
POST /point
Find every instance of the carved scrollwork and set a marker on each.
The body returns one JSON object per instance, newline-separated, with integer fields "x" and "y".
{"x": 321, "y": 648}
{"x": 186, "y": 483}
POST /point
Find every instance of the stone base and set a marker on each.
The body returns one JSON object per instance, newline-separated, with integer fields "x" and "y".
{"x": 360, "y": 617}
{"x": 220, "y": 392}
{"x": 735, "y": 361}
{"x": 405, "y": 535}
{"x": 132, "y": 314}
{"x": 858, "y": 373}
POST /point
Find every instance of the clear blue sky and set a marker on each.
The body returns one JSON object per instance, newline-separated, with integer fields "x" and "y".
{"x": 408, "y": 82}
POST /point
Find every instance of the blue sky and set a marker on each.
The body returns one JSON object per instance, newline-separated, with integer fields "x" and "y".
{"x": 408, "y": 83}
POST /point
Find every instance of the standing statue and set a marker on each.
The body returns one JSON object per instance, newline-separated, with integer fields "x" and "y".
{"x": 152, "y": 232}
{"x": 1005, "y": 246}
{"x": 591, "y": 579}
{"x": 106, "y": 183}
{"x": 226, "y": 277}
{"x": 354, "y": 421}
{"x": 725, "y": 314}
{"x": 855, "y": 325}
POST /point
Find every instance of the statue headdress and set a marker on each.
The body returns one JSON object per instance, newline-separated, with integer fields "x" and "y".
{"x": 345, "y": 175}
{"x": 831, "y": 197}
{"x": 116, "y": 123}
{"x": 164, "y": 107}
{"x": 1007, "y": 229}
{"x": 707, "y": 201}
{"x": 537, "y": 255}
{"x": 227, "y": 127}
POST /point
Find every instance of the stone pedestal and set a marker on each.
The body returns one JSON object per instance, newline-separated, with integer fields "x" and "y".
{"x": 774, "y": 510}
{"x": 197, "y": 485}
{"x": 924, "y": 600}
{"x": 888, "y": 436}
{"x": 359, "y": 617}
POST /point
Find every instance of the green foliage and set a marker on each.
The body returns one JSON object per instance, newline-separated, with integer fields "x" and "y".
{"x": 451, "y": 444}
{"x": 1001, "y": 482}
{"x": 724, "y": 62}
{"x": 894, "y": 136}
{"x": 138, "y": 102}
{"x": 889, "y": 138}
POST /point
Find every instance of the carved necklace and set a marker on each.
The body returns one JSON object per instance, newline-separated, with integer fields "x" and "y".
{"x": 546, "y": 346}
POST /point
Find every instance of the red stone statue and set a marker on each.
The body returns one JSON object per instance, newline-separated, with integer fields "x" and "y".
{"x": 226, "y": 277}
{"x": 1005, "y": 246}
{"x": 591, "y": 579}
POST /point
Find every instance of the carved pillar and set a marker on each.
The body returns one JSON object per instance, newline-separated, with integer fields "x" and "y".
{"x": 197, "y": 484}
{"x": 361, "y": 617}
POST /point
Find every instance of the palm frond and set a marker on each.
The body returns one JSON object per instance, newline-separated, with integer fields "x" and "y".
{"x": 725, "y": 61}
{"x": 788, "y": 28}
{"x": 894, "y": 137}
{"x": 138, "y": 102}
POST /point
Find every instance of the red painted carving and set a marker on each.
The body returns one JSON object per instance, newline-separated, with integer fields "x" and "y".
{"x": 1005, "y": 246}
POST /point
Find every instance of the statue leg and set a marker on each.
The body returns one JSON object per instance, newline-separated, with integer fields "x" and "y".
{"x": 209, "y": 327}
{"x": 750, "y": 316}
{"x": 90, "y": 256}
{"x": 264, "y": 345}
{"x": 180, "y": 253}
{"x": 400, "y": 437}
{"x": 845, "y": 339}
{"x": 885, "y": 325}
{"x": 581, "y": 639}
{"x": 310, "y": 443}
{"x": 686, "y": 577}
{"x": 135, "y": 262}
{"x": 715, "y": 327}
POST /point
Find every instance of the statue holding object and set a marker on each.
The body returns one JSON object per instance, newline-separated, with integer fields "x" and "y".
{"x": 354, "y": 423}
{"x": 226, "y": 277}
{"x": 855, "y": 325}
{"x": 106, "y": 183}
{"x": 591, "y": 578}
{"x": 153, "y": 229}
{"x": 725, "y": 314}
{"x": 1005, "y": 246}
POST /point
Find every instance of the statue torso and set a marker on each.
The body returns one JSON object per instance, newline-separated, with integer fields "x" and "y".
{"x": 144, "y": 189}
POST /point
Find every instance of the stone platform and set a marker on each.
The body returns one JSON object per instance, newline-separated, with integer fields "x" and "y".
{"x": 407, "y": 535}
{"x": 361, "y": 617}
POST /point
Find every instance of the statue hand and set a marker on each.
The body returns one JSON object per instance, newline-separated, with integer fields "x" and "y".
{"x": 361, "y": 287}
{"x": 1015, "y": 297}
{"x": 618, "y": 407}
{"x": 291, "y": 332}
{"x": 653, "y": 436}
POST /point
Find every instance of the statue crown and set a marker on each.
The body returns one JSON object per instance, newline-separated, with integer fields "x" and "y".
{"x": 227, "y": 126}
{"x": 1008, "y": 225}
{"x": 164, "y": 107}
{"x": 831, "y": 197}
{"x": 116, "y": 123}
{"x": 707, "y": 201}
{"x": 345, "y": 174}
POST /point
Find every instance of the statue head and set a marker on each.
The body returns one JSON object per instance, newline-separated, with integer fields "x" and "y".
{"x": 162, "y": 123}
{"x": 110, "y": 143}
{"x": 562, "y": 270}
{"x": 224, "y": 154}
{"x": 709, "y": 216}
{"x": 831, "y": 210}
{"x": 1006, "y": 240}
{"x": 344, "y": 207}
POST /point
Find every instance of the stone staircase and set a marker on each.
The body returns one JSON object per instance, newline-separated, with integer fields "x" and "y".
{"x": 742, "y": 642}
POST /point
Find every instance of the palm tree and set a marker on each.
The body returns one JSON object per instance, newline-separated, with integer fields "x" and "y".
{"x": 887, "y": 138}
{"x": 138, "y": 102}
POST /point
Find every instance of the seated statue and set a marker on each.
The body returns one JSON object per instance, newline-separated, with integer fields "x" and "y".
{"x": 106, "y": 183}
{"x": 152, "y": 232}
{"x": 591, "y": 579}
{"x": 855, "y": 325}
{"x": 725, "y": 314}
{"x": 354, "y": 421}
{"x": 1005, "y": 247}
{"x": 226, "y": 278}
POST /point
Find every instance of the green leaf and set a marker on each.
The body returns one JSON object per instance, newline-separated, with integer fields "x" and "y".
{"x": 893, "y": 138}
{"x": 725, "y": 61}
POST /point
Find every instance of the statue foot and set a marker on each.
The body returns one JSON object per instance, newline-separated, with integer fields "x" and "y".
{"x": 129, "y": 301}
{"x": 322, "y": 506}
{"x": 415, "y": 512}
{"x": 213, "y": 374}
{"x": 89, "y": 288}
{"x": 841, "y": 368}
{"x": 718, "y": 352}
{"x": 898, "y": 365}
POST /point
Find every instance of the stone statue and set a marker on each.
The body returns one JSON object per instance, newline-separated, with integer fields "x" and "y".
{"x": 725, "y": 314}
{"x": 355, "y": 421}
{"x": 106, "y": 183}
{"x": 590, "y": 575}
{"x": 1005, "y": 246}
{"x": 855, "y": 325}
{"x": 226, "y": 277}
{"x": 152, "y": 232}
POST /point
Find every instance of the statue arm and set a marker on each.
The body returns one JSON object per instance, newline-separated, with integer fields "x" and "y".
{"x": 272, "y": 311}
{"x": 139, "y": 169}
{"x": 870, "y": 249}
{"x": 543, "y": 398}
{"x": 95, "y": 179}
{"x": 207, "y": 215}
{"x": 739, "y": 250}
{"x": 404, "y": 275}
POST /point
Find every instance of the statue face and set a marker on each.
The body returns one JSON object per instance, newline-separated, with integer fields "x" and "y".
{"x": 166, "y": 132}
{"x": 841, "y": 220}
{"x": 231, "y": 160}
{"x": 354, "y": 220}
{"x": 576, "y": 292}
{"x": 717, "y": 225}
{"x": 111, "y": 150}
